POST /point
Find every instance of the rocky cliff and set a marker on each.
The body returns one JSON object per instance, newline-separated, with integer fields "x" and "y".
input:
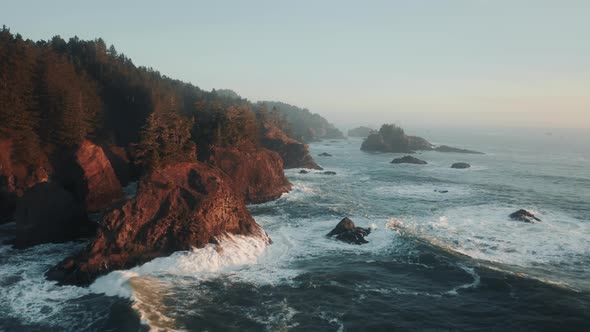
{"x": 294, "y": 154}
{"x": 257, "y": 173}
{"x": 176, "y": 208}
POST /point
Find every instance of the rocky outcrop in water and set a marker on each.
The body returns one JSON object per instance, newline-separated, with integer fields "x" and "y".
{"x": 444, "y": 148}
{"x": 329, "y": 173}
{"x": 293, "y": 153}
{"x": 324, "y": 154}
{"x": 408, "y": 160}
{"x": 257, "y": 174}
{"x": 460, "y": 165}
{"x": 176, "y": 208}
{"x": 346, "y": 231}
{"x": 47, "y": 213}
{"x": 391, "y": 138}
{"x": 525, "y": 216}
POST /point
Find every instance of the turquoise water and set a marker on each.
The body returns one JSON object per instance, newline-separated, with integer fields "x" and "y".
{"x": 436, "y": 261}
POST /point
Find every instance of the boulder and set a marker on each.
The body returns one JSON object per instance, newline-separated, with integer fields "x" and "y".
{"x": 178, "y": 207}
{"x": 525, "y": 216}
{"x": 257, "y": 173}
{"x": 325, "y": 154}
{"x": 294, "y": 154}
{"x": 346, "y": 231}
{"x": 408, "y": 160}
{"x": 47, "y": 213}
{"x": 98, "y": 185}
{"x": 460, "y": 165}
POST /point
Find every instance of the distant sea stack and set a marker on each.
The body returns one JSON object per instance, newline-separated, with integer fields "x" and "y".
{"x": 360, "y": 132}
{"x": 391, "y": 138}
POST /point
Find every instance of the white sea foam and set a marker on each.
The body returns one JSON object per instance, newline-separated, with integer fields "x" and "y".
{"x": 423, "y": 191}
{"x": 27, "y": 296}
{"x": 147, "y": 284}
{"x": 557, "y": 248}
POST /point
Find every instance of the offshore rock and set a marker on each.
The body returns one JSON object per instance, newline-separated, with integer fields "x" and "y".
{"x": 346, "y": 231}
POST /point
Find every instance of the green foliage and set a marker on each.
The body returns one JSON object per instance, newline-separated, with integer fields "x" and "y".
{"x": 164, "y": 139}
{"x": 394, "y": 138}
{"x": 56, "y": 93}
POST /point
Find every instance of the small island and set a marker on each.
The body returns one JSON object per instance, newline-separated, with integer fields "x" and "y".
{"x": 392, "y": 138}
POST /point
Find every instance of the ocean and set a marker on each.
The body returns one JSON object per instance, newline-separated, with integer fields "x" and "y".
{"x": 436, "y": 261}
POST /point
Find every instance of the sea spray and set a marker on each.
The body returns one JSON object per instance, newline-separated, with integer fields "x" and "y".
{"x": 147, "y": 285}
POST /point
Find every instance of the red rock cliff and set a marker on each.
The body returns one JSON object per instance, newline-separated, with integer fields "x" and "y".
{"x": 294, "y": 154}
{"x": 100, "y": 185}
{"x": 176, "y": 208}
{"x": 256, "y": 173}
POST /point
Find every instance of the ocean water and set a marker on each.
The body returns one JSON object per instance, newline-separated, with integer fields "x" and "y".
{"x": 436, "y": 261}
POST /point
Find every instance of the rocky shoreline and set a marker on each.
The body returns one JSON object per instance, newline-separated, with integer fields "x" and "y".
{"x": 177, "y": 206}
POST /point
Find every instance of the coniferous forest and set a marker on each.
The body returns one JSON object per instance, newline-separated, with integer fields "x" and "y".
{"x": 56, "y": 93}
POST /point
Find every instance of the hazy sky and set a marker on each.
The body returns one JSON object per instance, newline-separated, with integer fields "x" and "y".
{"x": 415, "y": 62}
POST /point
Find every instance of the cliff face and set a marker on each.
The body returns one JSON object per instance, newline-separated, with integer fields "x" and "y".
{"x": 99, "y": 184}
{"x": 293, "y": 153}
{"x": 176, "y": 208}
{"x": 257, "y": 174}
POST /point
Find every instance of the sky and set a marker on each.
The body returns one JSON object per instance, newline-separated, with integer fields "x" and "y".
{"x": 464, "y": 63}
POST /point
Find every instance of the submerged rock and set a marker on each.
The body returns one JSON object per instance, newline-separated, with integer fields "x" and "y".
{"x": 408, "y": 160}
{"x": 303, "y": 171}
{"x": 179, "y": 207}
{"x": 445, "y": 148}
{"x": 460, "y": 165}
{"x": 441, "y": 191}
{"x": 524, "y": 215}
{"x": 325, "y": 154}
{"x": 329, "y": 173}
{"x": 346, "y": 231}
{"x": 47, "y": 213}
